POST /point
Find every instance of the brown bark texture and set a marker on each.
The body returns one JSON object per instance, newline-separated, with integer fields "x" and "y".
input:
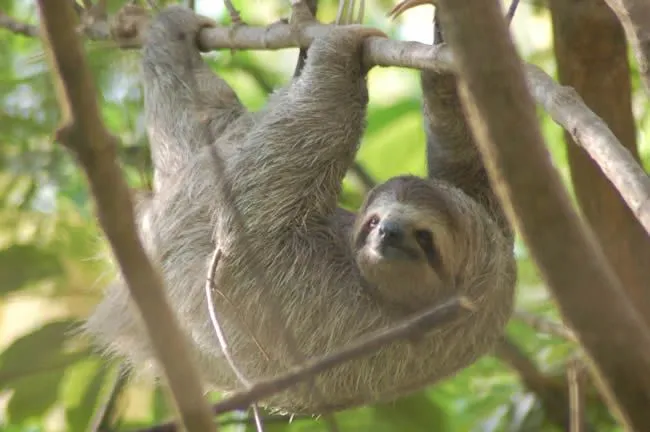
{"x": 591, "y": 53}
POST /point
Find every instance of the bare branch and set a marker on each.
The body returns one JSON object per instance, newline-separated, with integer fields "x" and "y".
{"x": 551, "y": 393}
{"x": 83, "y": 133}
{"x": 418, "y": 324}
{"x": 18, "y": 27}
{"x": 503, "y": 119}
{"x": 545, "y": 325}
{"x": 589, "y": 131}
{"x": 635, "y": 17}
{"x": 362, "y": 176}
{"x": 223, "y": 343}
{"x": 575, "y": 377}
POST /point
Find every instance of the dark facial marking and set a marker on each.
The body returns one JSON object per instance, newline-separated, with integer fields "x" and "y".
{"x": 428, "y": 246}
{"x": 368, "y": 226}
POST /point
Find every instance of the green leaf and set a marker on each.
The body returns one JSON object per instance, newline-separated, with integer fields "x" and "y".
{"x": 23, "y": 265}
{"x": 37, "y": 352}
{"x": 381, "y": 118}
{"x": 83, "y": 392}
{"x": 411, "y": 413}
{"x": 161, "y": 409}
{"x": 34, "y": 395}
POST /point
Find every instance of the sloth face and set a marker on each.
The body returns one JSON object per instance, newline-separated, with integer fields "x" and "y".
{"x": 396, "y": 239}
{"x": 404, "y": 241}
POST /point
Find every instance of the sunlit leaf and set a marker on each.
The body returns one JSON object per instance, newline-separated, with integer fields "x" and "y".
{"x": 83, "y": 392}
{"x": 411, "y": 413}
{"x": 23, "y": 265}
{"x": 34, "y": 395}
{"x": 40, "y": 351}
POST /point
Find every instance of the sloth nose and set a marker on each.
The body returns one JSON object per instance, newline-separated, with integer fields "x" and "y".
{"x": 390, "y": 232}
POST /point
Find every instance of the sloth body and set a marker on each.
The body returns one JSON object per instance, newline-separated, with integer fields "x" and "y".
{"x": 332, "y": 276}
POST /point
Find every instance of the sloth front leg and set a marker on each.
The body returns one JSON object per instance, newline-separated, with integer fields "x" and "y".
{"x": 186, "y": 105}
{"x": 306, "y": 138}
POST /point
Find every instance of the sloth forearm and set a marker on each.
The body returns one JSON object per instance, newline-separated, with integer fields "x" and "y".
{"x": 186, "y": 105}
{"x": 304, "y": 142}
{"x": 452, "y": 154}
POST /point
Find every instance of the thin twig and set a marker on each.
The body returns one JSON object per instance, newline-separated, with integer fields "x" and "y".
{"x": 234, "y": 222}
{"x": 84, "y": 133}
{"x": 545, "y": 325}
{"x": 418, "y": 324}
{"x": 223, "y": 343}
{"x": 360, "y": 173}
{"x": 512, "y": 10}
{"x": 634, "y": 15}
{"x": 575, "y": 378}
{"x": 18, "y": 27}
{"x": 269, "y": 419}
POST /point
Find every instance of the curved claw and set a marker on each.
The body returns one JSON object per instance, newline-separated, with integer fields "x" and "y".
{"x": 405, "y": 5}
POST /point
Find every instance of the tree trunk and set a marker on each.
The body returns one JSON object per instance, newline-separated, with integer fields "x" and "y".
{"x": 591, "y": 54}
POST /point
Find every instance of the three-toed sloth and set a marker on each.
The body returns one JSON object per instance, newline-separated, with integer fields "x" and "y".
{"x": 332, "y": 275}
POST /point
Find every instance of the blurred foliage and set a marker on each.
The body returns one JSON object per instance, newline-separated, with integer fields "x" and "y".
{"x": 52, "y": 256}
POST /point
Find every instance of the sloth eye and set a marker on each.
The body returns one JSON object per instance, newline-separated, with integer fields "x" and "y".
{"x": 372, "y": 222}
{"x": 425, "y": 240}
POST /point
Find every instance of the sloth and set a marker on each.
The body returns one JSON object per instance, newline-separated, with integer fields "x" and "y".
{"x": 332, "y": 275}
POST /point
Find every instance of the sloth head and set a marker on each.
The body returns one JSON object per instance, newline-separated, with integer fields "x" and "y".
{"x": 407, "y": 241}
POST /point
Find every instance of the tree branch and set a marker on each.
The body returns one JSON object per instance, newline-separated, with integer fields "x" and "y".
{"x": 551, "y": 393}
{"x": 408, "y": 328}
{"x": 590, "y": 132}
{"x": 575, "y": 378}
{"x": 84, "y": 134}
{"x": 545, "y": 325}
{"x": 18, "y": 27}
{"x": 635, "y": 17}
{"x": 501, "y": 113}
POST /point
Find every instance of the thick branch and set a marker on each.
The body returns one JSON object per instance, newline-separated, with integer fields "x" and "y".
{"x": 83, "y": 132}
{"x": 635, "y": 17}
{"x": 592, "y": 57}
{"x": 503, "y": 120}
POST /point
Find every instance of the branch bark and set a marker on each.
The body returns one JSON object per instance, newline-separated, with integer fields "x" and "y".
{"x": 503, "y": 119}
{"x": 84, "y": 134}
{"x": 635, "y": 17}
